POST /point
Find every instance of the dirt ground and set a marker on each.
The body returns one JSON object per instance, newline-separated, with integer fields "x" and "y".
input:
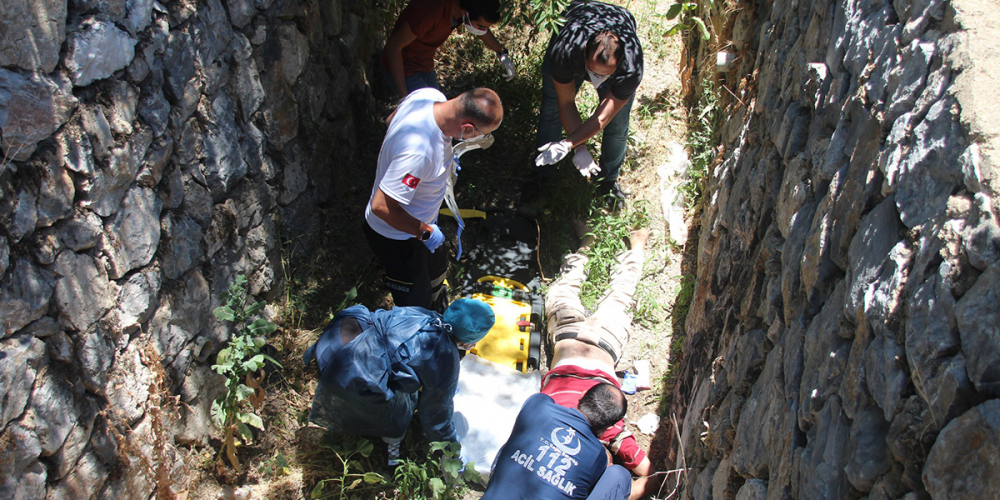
{"x": 658, "y": 126}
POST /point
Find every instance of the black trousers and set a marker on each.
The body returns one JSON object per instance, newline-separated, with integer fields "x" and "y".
{"x": 413, "y": 275}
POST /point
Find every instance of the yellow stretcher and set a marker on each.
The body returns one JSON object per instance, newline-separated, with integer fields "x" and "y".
{"x": 515, "y": 339}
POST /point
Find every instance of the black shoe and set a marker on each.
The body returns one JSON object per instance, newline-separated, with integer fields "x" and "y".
{"x": 614, "y": 196}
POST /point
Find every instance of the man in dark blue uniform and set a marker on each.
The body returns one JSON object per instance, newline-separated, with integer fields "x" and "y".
{"x": 553, "y": 452}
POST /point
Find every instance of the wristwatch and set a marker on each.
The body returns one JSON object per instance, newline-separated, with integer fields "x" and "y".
{"x": 426, "y": 235}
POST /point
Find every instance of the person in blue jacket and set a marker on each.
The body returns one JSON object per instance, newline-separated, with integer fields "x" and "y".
{"x": 377, "y": 367}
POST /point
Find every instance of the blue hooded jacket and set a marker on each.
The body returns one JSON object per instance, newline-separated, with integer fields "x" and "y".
{"x": 403, "y": 360}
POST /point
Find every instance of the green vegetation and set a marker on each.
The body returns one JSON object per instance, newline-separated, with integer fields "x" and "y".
{"x": 688, "y": 19}
{"x": 242, "y": 364}
{"x": 437, "y": 476}
{"x": 349, "y": 476}
{"x": 702, "y": 129}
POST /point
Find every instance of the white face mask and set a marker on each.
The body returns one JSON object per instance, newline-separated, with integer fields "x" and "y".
{"x": 596, "y": 79}
{"x": 472, "y": 29}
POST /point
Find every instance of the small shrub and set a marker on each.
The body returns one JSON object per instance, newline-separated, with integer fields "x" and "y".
{"x": 241, "y": 362}
{"x": 439, "y": 477}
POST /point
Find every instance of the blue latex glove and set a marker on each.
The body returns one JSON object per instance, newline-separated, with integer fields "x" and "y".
{"x": 436, "y": 239}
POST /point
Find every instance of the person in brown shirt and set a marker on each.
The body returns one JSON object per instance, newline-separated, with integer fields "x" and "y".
{"x": 408, "y": 56}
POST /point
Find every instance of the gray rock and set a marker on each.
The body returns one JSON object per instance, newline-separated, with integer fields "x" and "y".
{"x": 29, "y": 486}
{"x": 926, "y": 177}
{"x": 964, "y": 458}
{"x": 128, "y": 386}
{"x": 981, "y": 237}
{"x": 869, "y": 455}
{"x": 46, "y": 246}
{"x": 124, "y": 103}
{"x": 21, "y": 449}
{"x": 885, "y": 374}
{"x": 155, "y": 110}
{"x": 78, "y": 154}
{"x": 254, "y": 145}
{"x": 105, "y": 193}
{"x": 81, "y": 232}
{"x": 132, "y": 235}
{"x": 248, "y": 89}
{"x": 978, "y": 320}
{"x": 907, "y": 80}
{"x": 60, "y": 347}
{"x": 32, "y": 108}
{"x": 296, "y": 177}
{"x": 200, "y": 387}
{"x": 197, "y": 200}
{"x": 97, "y": 51}
{"x": 139, "y": 15}
{"x": 52, "y": 412}
{"x": 85, "y": 482}
{"x": 95, "y": 353}
{"x": 155, "y": 163}
{"x": 42, "y": 328}
{"x": 720, "y": 480}
{"x": 55, "y": 188}
{"x": 178, "y": 64}
{"x": 213, "y": 32}
{"x": 240, "y": 12}
{"x": 31, "y": 34}
{"x": 116, "y": 10}
{"x": 876, "y": 237}
{"x": 752, "y": 489}
{"x": 171, "y": 190}
{"x": 23, "y": 213}
{"x": 182, "y": 245}
{"x": 932, "y": 342}
{"x": 83, "y": 292}
{"x": 137, "y": 299}
{"x": 4, "y": 255}
{"x": 95, "y": 123}
{"x": 764, "y": 422}
{"x": 185, "y": 307}
{"x": 65, "y": 459}
{"x": 825, "y": 353}
{"x": 216, "y": 77}
{"x": 224, "y": 165}
{"x": 821, "y": 472}
{"x": 22, "y": 356}
{"x": 24, "y": 295}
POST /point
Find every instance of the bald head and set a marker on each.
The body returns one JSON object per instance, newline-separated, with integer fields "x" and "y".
{"x": 481, "y": 106}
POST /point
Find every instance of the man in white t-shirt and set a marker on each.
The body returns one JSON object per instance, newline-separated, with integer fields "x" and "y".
{"x": 413, "y": 169}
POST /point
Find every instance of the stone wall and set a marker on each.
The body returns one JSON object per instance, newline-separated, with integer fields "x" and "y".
{"x": 151, "y": 152}
{"x": 843, "y": 337}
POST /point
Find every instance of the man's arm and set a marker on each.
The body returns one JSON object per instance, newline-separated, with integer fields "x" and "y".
{"x": 394, "y": 56}
{"x": 491, "y": 41}
{"x": 581, "y": 133}
{"x": 392, "y": 212}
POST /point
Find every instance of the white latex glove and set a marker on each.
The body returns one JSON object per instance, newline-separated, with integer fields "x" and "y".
{"x": 585, "y": 162}
{"x": 508, "y": 65}
{"x": 553, "y": 152}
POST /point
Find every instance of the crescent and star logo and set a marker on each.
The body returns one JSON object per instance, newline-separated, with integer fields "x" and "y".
{"x": 566, "y": 440}
{"x": 411, "y": 181}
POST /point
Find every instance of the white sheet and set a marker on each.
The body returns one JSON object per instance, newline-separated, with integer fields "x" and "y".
{"x": 487, "y": 402}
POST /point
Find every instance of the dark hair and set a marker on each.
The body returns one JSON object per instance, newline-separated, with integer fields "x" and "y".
{"x": 489, "y": 10}
{"x": 603, "y": 405}
{"x": 607, "y": 45}
{"x": 482, "y": 107}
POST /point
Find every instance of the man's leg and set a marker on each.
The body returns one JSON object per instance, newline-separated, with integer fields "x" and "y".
{"x": 563, "y": 309}
{"x": 550, "y": 127}
{"x": 422, "y": 81}
{"x": 406, "y": 268}
{"x": 613, "y": 317}
{"x": 614, "y": 484}
{"x": 613, "y": 145}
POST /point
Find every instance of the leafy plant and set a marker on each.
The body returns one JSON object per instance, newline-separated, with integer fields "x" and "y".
{"x": 439, "y": 477}
{"x": 701, "y": 141}
{"x": 241, "y": 362}
{"x": 275, "y": 467}
{"x": 689, "y": 19}
{"x": 546, "y": 13}
{"x": 346, "y": 481}
{"x": 610, "y": 231}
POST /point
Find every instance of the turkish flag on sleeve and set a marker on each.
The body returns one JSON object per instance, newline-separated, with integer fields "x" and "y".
{"x": 411, "y": 181}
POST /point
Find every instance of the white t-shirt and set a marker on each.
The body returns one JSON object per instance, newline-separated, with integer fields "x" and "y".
{"x": 414, "y": 163}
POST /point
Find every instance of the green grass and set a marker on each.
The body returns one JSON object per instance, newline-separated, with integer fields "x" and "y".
{"x": 701, "y": 139}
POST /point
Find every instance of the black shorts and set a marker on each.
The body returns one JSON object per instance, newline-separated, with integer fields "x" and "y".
{"x": 413, "y": 275}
